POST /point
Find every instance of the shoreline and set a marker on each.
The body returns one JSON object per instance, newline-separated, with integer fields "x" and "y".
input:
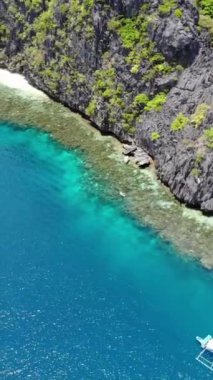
{"x": 113, "y": 150}
{"x": 19, "y": 82}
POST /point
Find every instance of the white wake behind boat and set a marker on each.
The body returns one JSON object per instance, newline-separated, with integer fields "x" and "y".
{"x": 205, "y": 357}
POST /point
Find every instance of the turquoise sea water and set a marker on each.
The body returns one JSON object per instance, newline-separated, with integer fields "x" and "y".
{"x": 86, "y": 293}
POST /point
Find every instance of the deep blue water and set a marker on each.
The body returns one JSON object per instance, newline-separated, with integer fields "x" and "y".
{"x": 85, "y": 293}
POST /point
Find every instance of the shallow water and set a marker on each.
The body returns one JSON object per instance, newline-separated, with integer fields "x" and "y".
{"x": 86, "y": 293}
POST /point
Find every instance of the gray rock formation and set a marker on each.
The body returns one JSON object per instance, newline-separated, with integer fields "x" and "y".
{"x": 183, "y": 160}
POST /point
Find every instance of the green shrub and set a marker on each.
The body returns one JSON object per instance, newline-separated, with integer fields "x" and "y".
{"x": 155, "y": 136}
{"x": 208, "y": 134}
{"x": 163, "y": 68}
{"x": 179, "y": 123}
{"x": 206, "y": 15}
{"x": 195, "y": 172}
{"x": 141, "y": 99}
{"x": 199, "y": 158}
{"x": 179, "y": 68}
{"x": 207, "y": 7}
{"x": 33, "y": 4}
{"x": 108, "y": 93}
{"x": 90, "y": 110}
{"x": 178, "y": 13}
{"x": 129, "y": 33}
{"x": 156, "y": 104}
{"x": 128, "y": 128}
{"x": 200, "y": 114}
{"x": 104, "y": 80}
{"x": 4, "y": 32}
{"x": 135, "y": 69}
{"x": 114, "y": 24}
{"x": 167, "y": 6}
{"x": 115, "y": 101}
{"x": 157, "y": 58}
{"x": 206, "y": 22}
{"x": 129, "y": 117}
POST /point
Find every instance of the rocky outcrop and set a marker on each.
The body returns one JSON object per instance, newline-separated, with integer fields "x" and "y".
{"x": 141, "y": 158}
{"x": 138, "y": 69}
{"x": 184, "y": 161}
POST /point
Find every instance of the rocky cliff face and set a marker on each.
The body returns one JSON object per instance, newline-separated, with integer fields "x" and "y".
{"x": 139, "y": 69}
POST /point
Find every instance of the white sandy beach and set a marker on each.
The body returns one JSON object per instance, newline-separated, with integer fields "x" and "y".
{"x": 18, "y": 82}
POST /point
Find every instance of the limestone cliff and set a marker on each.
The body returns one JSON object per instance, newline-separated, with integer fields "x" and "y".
{"x": 139, "y": 69}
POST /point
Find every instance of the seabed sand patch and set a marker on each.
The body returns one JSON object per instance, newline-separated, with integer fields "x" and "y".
{"x": 146, "y": 198}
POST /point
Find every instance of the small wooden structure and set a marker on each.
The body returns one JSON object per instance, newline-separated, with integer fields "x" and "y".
{"x": 205, "y": 357}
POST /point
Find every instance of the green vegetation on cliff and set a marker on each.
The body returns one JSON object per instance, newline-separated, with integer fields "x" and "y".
{"x": 206, "y": 7}
{"x": 199, "y": 115}
{"x": 4, "y": 33}
{"x": 209, "y": 137}
{"x": 179, "y": 122}
{"x": 206, "y": 15}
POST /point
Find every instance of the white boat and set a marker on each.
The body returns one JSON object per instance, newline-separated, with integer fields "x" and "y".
{"x": 205, "y": 357}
